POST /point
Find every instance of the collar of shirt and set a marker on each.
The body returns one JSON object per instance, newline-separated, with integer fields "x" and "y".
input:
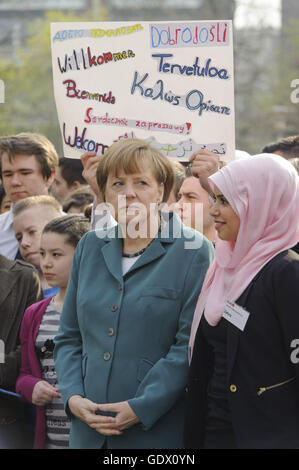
{"x": 8, "y": 242}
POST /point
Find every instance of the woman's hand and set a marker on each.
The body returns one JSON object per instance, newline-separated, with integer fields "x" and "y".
{"x": 202, "y": 165}
{"x": 90, "y": 161}
{"x": 85, "y": 410}
{"x": 44, "y": 393}
{"x": 124, "y": 419}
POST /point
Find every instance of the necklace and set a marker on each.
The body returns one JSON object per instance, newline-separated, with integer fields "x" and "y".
{"x": 126, "y": 255}
{"x": 138, "y": 253}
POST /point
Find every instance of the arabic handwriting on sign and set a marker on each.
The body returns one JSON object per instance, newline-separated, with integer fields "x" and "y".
{"x": 170, "y": 148}
{"x": 219, "y": 152}
{"x": 185, "y": 150}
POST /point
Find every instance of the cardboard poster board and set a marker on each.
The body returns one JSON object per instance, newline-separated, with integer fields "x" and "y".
{"x": 170, "y": 83}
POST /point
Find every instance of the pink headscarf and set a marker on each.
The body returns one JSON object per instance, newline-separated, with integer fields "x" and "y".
{"x": 263, "y": 190}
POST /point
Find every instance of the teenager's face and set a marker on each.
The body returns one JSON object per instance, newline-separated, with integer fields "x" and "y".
{"x": 227, "y": 222}
{"x": 28, "y": 227}
{"x": 60, "y": 188}
{"x": 56, "y": 257}
{"x": 22, "y": 177}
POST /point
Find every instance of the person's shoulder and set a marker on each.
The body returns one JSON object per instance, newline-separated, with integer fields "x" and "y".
{"x": 6, "y": 217}
{"x": 98, "y": 236}
{"x": 20, "y": 265}
{"x": 15, "y": 265}
{"x": 37, "y": 307}
{"x": 94, "y": 239}
{"x": 284, "y": 266}
{"x": 284, "y": 259}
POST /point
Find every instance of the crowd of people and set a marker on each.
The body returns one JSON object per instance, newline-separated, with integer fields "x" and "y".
{"x": 147, "y": 303}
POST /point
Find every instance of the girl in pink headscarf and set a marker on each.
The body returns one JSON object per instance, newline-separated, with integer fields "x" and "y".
{"x": 243, "y": 387}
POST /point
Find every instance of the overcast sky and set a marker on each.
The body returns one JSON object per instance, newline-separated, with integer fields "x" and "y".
{"x": 258, "y": 12}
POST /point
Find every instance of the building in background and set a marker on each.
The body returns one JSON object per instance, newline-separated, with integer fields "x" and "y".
{"x": 289, "y": 10}
{"x": 264, "y": 112}
{"x": 16, "y": 16}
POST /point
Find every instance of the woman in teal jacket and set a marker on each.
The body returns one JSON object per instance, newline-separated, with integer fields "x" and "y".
{"x": 121, "y": 351}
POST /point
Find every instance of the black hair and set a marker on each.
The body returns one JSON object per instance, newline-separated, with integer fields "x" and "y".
{"x": 79, "y": 198}
{"x": 73, "y": 226}
{"x": 71, "y": 170}
{"x": 2, "y": 193}
{"x": 289, "y": 146}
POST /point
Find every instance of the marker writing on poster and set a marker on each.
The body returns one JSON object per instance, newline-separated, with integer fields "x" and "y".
{"x": 195, "y": 70}
{"x": 73, "y": 92}
{"x": 193, "y": 101}
{"x": 108, "y": 120}
{"x": 82, "y": 59}
{"x": 65, "y": 34}
{"x": 183, "y": 150}
{"x": 81, "y": 141}
{"x": 189, "y": 35}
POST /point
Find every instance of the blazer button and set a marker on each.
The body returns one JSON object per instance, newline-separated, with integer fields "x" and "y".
{"x": 119, "y": 286}
{"x": 110, "y": 331}
{"x": 233, "y": 388}
{"x": 114, "y": 307}
{"x": 107, "y": 356}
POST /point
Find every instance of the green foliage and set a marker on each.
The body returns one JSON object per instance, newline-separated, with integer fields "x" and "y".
{"x": 29, "y": 96}
{"x": 273, "y": 115}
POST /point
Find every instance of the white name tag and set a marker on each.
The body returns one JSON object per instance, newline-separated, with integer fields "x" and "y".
{"x": 236, "y": 315}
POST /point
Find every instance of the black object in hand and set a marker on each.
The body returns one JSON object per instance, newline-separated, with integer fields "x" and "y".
{"x": 106, "y": 413}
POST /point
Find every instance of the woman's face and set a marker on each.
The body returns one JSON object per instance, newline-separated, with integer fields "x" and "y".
{"x": 56, "y": 257}
{"x": 227, "y": 222}
{"x": 132, "y": 195}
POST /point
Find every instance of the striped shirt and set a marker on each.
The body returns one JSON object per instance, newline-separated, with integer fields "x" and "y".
{"x": 57, "y": 422}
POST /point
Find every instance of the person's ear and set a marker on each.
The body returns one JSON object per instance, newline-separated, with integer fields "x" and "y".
{"x": 75, "y": 185}
{"x": 50, "y": 180}
{"x": 160, "y": 193}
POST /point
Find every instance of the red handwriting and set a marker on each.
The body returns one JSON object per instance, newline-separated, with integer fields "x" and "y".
{"x": 73, "y": 92}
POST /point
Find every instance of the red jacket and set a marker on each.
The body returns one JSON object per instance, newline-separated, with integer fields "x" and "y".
{"x": 30, "y": 372}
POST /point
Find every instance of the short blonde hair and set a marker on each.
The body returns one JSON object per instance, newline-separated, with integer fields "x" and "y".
{"x": 128, "y": 154}
{"x": 34, "y": 201}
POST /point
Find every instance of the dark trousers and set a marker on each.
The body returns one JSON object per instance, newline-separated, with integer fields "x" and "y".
{"x": 16, "y": 435}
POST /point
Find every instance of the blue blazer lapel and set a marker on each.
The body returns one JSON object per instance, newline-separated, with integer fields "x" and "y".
{"x": 170, "y": 227}
{"x": 154, "y": 251}
{"x": 112, "y": 252}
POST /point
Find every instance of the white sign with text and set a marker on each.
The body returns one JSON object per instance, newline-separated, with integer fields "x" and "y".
{"x": 170, "y": 83}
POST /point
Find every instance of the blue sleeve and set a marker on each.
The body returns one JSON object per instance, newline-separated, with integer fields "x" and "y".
{"x": 68, "y": 341}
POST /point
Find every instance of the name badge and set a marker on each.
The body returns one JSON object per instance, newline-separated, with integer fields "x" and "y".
{"x": 236, "y": 315}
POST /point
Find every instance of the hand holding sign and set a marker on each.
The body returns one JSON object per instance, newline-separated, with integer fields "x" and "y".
{"x": 90, "y": 161}
{"x": 202, "y": 165}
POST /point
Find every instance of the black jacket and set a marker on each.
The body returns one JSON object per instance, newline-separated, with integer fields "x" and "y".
{"x": 19, "y": 288}
{"x": 262, "y": 372}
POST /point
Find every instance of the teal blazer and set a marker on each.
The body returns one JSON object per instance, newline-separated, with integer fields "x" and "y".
{"x": 125, "y": 338}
